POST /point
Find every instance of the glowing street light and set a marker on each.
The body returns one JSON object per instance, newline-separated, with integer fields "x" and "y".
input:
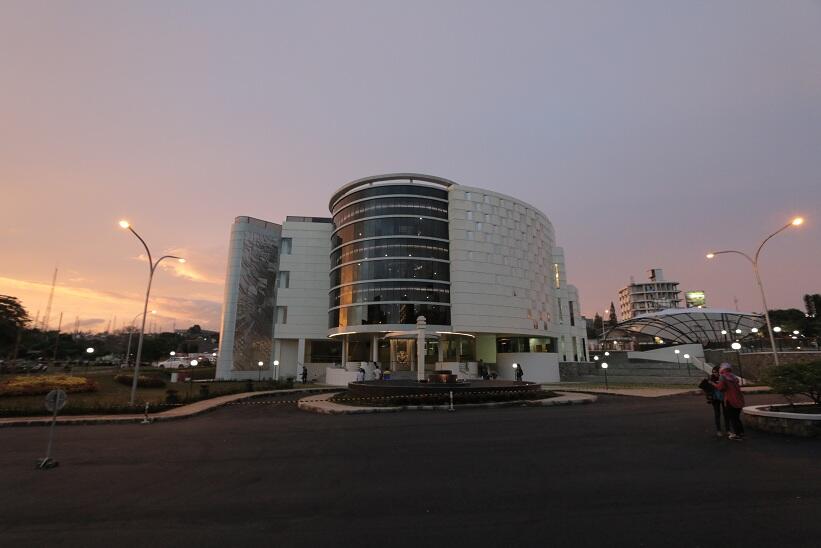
{"x": 795, "y": 332}
{"x": 606, "y": 384}
{"x": 173, "y": 353}
{"x": 260, "y": 364}
{"x": 89, "y": 350}
{"x": 777, "y": 329}
{"x": 797, "y": 221}
{"x": 194, "y": 363}
{"x": 152, "y": 267}
{"x": 276, "y": 369}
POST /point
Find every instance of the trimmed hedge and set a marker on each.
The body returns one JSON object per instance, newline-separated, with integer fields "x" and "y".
{"x": 43, "y": 384}
{"x": 143, "y": 381}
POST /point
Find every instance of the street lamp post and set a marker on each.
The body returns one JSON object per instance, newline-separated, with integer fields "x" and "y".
{"x": 260, "y": 364}
{"x": 130, "y": 333}
{"x": 604, "y": 366}
{"x": 754, "y": 262}
{"x": 152, "y": 267}
{"x": 687, "y": 357}
{"x": 678, "y": 359}
{"x": 737, "y": 347}
{"x": 276, "y": 370}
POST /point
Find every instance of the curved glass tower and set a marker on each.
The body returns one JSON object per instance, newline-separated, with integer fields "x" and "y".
{"x": 390, "y": 252}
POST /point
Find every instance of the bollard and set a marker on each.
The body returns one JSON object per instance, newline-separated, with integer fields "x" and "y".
{"x": 451, "y": 402}
{"x": 146, "y": 420}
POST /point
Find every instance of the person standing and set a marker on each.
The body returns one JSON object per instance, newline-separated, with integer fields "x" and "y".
{"x": 716, "y": 398}
{"x": 304, "y": 374}
{"x": 377, "y": 373}
{"x": 519, "y": 372}
{"x": 730, "y": 387}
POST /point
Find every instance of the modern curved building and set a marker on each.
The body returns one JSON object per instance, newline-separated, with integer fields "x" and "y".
{"x": 483, "y": 269}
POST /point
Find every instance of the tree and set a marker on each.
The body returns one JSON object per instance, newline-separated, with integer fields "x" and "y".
{"x": 13, "y": 320}
{"x": 796, "y": 378}
{"x": 195, "y": 329}
{"x": 812, "y": 303}
{"x": 612, "y": 321}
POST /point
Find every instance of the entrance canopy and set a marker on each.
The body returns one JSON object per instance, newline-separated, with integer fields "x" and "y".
{"x": 695, "y": 325}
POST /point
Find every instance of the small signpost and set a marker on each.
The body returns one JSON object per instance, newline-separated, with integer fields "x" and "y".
{"x": 55, "y": 400}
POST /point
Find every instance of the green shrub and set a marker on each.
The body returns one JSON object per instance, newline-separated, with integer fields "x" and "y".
{"x": 796, "y": 378}
{"x": 143, "y": 381}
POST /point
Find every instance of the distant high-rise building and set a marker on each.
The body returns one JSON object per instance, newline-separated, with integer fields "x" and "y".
{"x": 651, "y": 296}
{"x": 695, "y": 299}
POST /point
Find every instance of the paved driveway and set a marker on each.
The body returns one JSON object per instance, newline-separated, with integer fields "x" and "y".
{"x": 621, "y": 472}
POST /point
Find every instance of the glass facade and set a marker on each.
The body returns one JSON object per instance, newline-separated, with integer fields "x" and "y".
{"x": 389, "y": 268}
{"x": 390, "y": 226}
{"x": 397, "y": 313}
{"x": 390, "y": 190}
{"x": 390, "y": 247}
{"x": 390, "y": 256}
{"x": 375, "y": 292}
{"x": 391, "y": 206}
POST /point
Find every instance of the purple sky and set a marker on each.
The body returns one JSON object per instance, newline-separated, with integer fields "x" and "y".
{"x": 648, "y": 132}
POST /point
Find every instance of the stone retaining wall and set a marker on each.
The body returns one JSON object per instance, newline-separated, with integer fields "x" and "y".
{"x": 754, "y": 364}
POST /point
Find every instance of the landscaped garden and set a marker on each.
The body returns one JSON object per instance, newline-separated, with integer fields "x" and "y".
{"x": 104, "y": 391}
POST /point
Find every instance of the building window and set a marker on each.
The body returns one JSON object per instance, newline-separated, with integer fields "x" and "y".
{"x": 283, "y": 279}
{"x": 556, "y": 279}
{"x": 282, "y": 314}
{"x": 285, "y": 246}
{"x": 572, "y": 315}
{"x": 561, "y": 312}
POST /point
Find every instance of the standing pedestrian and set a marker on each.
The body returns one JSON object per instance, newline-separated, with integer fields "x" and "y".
{"x": 360, "y": 375}
{"x": 304, "y": 374}
{"x": 519, "y": 373}
{"x": 730, "y": 387}
{"x": 715, "y": 397}
{"x": 377, "y": 373}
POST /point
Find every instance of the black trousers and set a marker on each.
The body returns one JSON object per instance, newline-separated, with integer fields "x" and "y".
{"x": 717, "y": 412}
{"x": 735, "y": 419}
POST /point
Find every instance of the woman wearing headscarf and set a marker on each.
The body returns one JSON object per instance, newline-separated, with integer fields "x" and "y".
{"x": 730, "y": 387}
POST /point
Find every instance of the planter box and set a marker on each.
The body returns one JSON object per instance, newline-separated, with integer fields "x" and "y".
{"x": 793, "y": 424}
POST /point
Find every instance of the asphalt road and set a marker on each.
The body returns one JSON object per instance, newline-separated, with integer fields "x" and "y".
{"x": 621, "y": 472}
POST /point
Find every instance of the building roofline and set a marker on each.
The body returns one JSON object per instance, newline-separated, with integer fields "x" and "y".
{"x": 386, "y": 177}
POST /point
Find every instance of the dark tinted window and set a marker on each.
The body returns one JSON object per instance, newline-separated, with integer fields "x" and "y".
{"x": 388, "y": 314}
{"x": 390, "y": 247}
{"x": 390, "y": 268}
{"x": 387, "y": 190}
{"x": 392, "y": 206}
{"x": 390, "y": 291}
{"x": 398, "y": 226}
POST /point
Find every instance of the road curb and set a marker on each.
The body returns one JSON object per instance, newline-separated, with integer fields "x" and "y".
{"x": 321, "y": 405}
{"x": 183, "y": 412}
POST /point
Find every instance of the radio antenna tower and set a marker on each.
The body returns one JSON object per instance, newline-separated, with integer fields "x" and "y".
{"x": 50, "y": 299}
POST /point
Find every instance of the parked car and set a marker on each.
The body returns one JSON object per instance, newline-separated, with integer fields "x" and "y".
{"x": 174, "y": 362}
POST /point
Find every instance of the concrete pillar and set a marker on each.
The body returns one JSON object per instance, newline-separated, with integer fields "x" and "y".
{"x": 277, "y": 357}
{"x": 441, "y": 347}
{"x": 344, "y": 351}
{"x": 420, "y": 348}
{"x": 392, "y": 353}
{"x": 375, "y": 348}
{"x": 300, "y": 357}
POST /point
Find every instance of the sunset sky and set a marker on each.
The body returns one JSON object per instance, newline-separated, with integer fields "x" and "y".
{"x": 648, "y": 132}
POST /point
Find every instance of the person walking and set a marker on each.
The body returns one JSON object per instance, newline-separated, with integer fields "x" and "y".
{"x": 715, "y": 397}
{"x": 728, "y": 384}
{"x": 304, "y": 374}
{"x": 519, "y": 372}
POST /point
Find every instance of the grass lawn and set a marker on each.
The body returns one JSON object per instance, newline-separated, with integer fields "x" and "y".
{"x": 113, "y": 397}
